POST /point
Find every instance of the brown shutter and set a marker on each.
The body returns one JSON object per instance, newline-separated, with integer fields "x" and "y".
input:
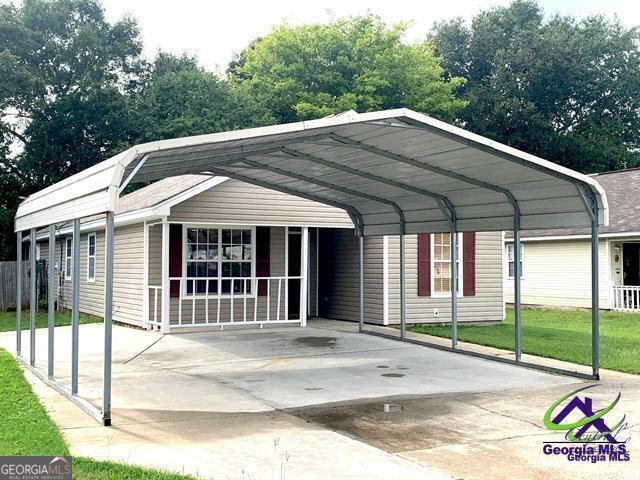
{"x": 175, "y": 258}
{"x": 263, "y": 257}
{"x": 469, "y": 267}
{"x": 424, "y": 265}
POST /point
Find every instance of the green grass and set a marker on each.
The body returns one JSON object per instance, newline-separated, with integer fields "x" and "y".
{"x": 8, "y": 320}
{"x": 560, "y": 334}
{"x": 26, "y": 429}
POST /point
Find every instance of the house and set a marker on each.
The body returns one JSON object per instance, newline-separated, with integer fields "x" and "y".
{"x": 566, "y": 253}
{"x": 234, "y": 253}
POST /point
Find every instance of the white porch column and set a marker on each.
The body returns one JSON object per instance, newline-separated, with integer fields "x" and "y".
{"x": 304, "y": 273}
{"x": 145, "y": 280}
{"x": 166, "y": 284}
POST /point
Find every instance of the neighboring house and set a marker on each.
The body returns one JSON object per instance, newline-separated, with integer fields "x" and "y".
{"x": 566, "y": 253}
{"x": 236, "y": 253}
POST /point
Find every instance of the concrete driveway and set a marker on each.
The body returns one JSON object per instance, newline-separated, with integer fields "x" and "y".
{"x": 310, "y": 403}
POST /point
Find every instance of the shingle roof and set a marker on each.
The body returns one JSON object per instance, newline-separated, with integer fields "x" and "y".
{"x": 623, "y": 193}
{"x": 158, "y": 192}
{"x": 147, "y": 197}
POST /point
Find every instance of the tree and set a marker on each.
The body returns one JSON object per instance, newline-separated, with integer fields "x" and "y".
{"x": 178, "y": 98}
{"x": 358, "y": 63}
{"x": 66, "y": 76}
{"x": 560, "y": 88}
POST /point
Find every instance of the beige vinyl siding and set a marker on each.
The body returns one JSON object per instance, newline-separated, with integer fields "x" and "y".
{"x": 127, "y": 275}
{"x": 235, "y": 202}
{"x": 339, "y": 276}
{"x": 277, "y": 269}
{"x": 485, "y": 306}
{"x": 558, "y": 273}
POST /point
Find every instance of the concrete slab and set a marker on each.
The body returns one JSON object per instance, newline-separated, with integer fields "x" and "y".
{"x": 305, "y": 403}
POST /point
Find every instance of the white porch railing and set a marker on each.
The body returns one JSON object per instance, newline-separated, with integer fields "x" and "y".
{"x": 626, "y": 298}
{"x": 155, "y": 313}
{"x": 239, "y": 303}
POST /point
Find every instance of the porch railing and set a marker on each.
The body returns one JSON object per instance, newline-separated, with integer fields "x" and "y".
{"x": 626, "y": 298}
{"x": 213, "y": 301}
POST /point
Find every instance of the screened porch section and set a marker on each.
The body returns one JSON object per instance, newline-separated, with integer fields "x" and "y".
{"x": 222, "y": 275}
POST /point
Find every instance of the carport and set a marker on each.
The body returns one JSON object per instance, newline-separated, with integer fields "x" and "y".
{"x": 394, "y": 172}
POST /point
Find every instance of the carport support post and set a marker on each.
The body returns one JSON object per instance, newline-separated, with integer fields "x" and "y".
{"x": 595, "y": 300}
{"x": 33, "y": 299}
{"x": 403, "y": 322}
{"x": 75, "y": 306}
{"x": 108, "y": 318}
{"x": 19, "y": 295}
{"x": 454, "y": 286}
{"x": 517, "y": 307}
{"x": 361, "y": 281}
{"x": 51, "y": 297}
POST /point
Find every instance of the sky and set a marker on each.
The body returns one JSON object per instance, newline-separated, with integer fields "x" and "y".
{"x": 214, "y": 30}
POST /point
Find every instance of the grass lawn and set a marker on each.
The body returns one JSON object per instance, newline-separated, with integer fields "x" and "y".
{"x": 560, "y": 334}
{"x": 8, "y": 320}
{"x": 26, "y": 429}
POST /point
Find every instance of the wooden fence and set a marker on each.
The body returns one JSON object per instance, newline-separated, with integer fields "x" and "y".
{"x": 8, "y": 279}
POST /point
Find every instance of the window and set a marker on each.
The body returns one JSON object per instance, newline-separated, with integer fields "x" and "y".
{"x": 441, "y": 264}
{"x": 68, "y": 258}
{"x": 214, "y": 254}
{"x": 510, "y": 251}
{"x": 91, "y": 257}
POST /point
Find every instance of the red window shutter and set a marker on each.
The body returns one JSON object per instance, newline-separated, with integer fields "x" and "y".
{"x": 424, "y": 265}
{"x": 175, "y": 258}
{"x": 263, "y": 257}
{"x": 469, "y": 266}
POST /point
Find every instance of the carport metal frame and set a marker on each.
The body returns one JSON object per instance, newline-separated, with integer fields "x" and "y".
{"x": 227, "y": 160}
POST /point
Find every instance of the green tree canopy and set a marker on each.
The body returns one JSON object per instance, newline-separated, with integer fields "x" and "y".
{"x": 178, "y": 98}
{"x": 358, "y": 63}
{"x": 66, "y": 73}
{"x": 561, "y": 88}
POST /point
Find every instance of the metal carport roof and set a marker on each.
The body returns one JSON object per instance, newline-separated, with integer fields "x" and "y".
{"x": 384, "y": 168}
{"x": 394, "y": 172}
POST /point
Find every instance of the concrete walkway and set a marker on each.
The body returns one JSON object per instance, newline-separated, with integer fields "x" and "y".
{"x": 311, "y": 403}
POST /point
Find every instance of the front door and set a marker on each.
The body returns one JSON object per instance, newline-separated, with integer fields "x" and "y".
{"x": 631, "y": 263}
{"x": 295, "y": 250}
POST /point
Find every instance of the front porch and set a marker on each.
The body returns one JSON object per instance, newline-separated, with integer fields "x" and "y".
{"x": 203, "y": 275}
{"x": 625, "y": 276}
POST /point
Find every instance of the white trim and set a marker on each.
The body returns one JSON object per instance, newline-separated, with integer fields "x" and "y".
{"x": 609, "y": 286}
{"x": 68, "y": 271}
{"x": 574, "y": 237}
{"x": 304, "y": 271}
{"x": 145, "y": 273}
{"x": 286, "y": 271}
{"x": 460, "y": 272}
{"x": 522, "y": 267}
{"x": 37, "y": 249}
{"x": 219, "y": 227}
{"x": 95, "y": 252}
{"x": 385, "y": 280}
{"x": 258, "y": 223}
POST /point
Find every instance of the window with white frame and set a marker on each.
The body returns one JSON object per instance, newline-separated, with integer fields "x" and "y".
{"x": 68, "y": 258}
{"x": 441, "y": 264}
{"x": 216, "y": 254}
{"x": 91, "y": 257}
{"x": 510, "y": 252}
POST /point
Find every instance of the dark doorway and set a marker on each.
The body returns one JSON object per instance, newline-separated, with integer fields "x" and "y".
{"x": 631, "y": 263}
{"x": 294, "y": 270}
